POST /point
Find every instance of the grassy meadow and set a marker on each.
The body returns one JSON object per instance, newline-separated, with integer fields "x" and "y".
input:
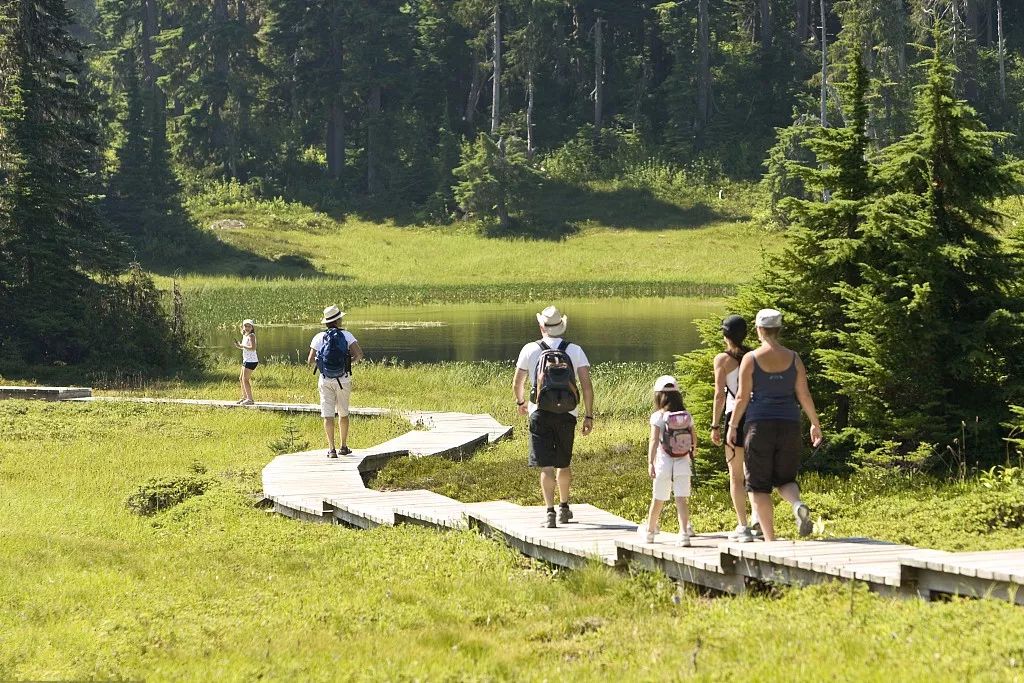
{"x": 218, "y": 587}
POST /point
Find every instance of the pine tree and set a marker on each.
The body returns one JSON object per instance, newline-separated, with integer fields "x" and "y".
{"x": 929, "y": 332}
{"x": 493, "y": 178}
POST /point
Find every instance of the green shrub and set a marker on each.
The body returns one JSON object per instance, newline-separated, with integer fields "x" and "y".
{"x": 160, "y": 494}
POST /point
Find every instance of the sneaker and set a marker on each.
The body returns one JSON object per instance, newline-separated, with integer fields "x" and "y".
{"x": 247, "y": 402}
{"x": 564, "y": 514}
{"x": 755, "y": 530}
{"x": 344, "y": 450}
{"x": 684, "y": 540}
{"x": 741, "y": 534}
{"x": 240, "y": 401}
{"x": 802, "y": 514}
{"x": 550, "y": 523}
{"x": 332, "y": 453}
{"x": 645, "y": 534}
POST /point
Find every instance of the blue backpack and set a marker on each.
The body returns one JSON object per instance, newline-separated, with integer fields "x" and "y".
{"x": 334, "y": 359}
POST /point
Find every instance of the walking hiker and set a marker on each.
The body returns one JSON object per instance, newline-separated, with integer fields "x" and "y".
{"x": 670, "y": 453}
{"x": 249, "y": 360}
{"x": 727, "y": 374}
{"x": 553, "y": 366}
{"x": 773, "y": 388}
{"x": 333, "y": 351}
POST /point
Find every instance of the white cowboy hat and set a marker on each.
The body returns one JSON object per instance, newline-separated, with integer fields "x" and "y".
{"x": 331, "y": 313}
{"x": 552, "y": 320}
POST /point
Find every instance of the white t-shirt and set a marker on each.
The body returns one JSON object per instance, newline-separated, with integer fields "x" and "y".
{"x": 530, "y": 354}
{"x": 317, "y": 342}
{"x": 249, "y": 355}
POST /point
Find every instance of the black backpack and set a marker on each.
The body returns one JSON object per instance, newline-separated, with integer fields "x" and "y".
{"x": 554, "y": 389}
{"x": 334, "y": 358}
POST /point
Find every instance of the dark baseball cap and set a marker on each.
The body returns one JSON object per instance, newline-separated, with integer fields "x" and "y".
{"x": 734, "y": 327}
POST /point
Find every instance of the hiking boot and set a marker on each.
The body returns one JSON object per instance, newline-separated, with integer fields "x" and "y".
{"x": 741, "y": 534}
{"x": 684, "y": 540}
{"x": 332, "y": 453}
{"x": 344, "y": 450}
{"x": 564, "y": 514}
{"x": 551, "y": 517}
{"x": 802, "y": 514}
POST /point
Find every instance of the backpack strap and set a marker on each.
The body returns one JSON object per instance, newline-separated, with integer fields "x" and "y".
{"x": 543, "y": 345}
{"x": 563, "y": 345}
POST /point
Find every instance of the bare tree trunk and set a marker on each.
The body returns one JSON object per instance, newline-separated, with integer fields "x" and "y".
{"x": 530, "y": 145}
{"x": 824, "y": 65}
{"x": 219, "y": 91}
{"x": 1002, "y": 49}
{"x": 476, "y": 88}
{"x": 373, "y": 104}
{"x": 502, "y": 207}
{"x": 766, "y": 24}
{"x": 335, "y": 138}
{"x": 496, "y": 82}
{"x": 598, "y": 74}
{"x": 151, "y": 72}
{"x": 703, "y": 68}
{"x": 802, "y": 11}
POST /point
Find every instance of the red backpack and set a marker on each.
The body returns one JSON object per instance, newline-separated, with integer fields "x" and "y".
{"x": 676, "y": 435}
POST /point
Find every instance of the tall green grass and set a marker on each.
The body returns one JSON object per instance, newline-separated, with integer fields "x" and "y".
{"x": 218, "y": 589}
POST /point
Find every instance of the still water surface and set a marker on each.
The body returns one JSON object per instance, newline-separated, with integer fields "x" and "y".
{"x": 608, "y": 329}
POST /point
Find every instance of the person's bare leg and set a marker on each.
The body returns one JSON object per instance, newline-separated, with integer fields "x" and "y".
{"x": 547, "y": 485}
{"x": 246, "y": 384}
{"x": 790, "y": 492}
{"x": 765, "y": 514}
{"x": 329, "y": 431}
{"x": 564, "y": 478}
{"x": 654, "y": 513}
{"x": 241, "y": 383}
{"x": 343, "y": 430}
{"x": 683, "y": 510}
{"x": 737, "y": 484}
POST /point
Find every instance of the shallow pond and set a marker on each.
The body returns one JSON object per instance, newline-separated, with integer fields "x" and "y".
{"x": 608, "y": 329}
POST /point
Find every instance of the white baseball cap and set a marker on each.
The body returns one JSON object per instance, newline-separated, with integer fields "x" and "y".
{"x": 769, "y": 317}
{"x": 666, "y": 383}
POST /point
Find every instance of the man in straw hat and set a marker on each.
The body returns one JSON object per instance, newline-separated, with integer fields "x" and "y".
{"x": 553, "y": 365}
{"x": 333, "y": 351}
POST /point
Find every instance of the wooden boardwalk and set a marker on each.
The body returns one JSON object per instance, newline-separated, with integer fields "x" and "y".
{"x": 311, "y": 487}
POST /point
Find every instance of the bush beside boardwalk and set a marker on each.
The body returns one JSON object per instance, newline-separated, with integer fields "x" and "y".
{"x": 218, "y": 587}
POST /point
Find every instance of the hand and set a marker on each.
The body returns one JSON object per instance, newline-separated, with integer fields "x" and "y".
{"x": 588, "y": 426}
{"x": 731, "y": 439}
{"x": 816, "y": 436}
{"x": 716, "y": 436}
{"x": 522, "y": 408}
{"x": 650, "y": 470}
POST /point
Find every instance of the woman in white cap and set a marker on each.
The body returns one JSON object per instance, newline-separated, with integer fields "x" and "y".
{"x": 249, "y": 360}
{"x": 773, "y": 388}
{"x": 669, "y": 457}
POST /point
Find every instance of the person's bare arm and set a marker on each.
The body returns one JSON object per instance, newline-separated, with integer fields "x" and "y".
{"x": 746, "y": 385}
{"x": 652, "y": 449}
{"x": 249, "y": 342}
{"x": 356, "y": 351}
{"x": 587, "y": 389}
{"x": 716, "y": 414}
{"x": 519, "y": 390}
{"x": 311, "y": 358}
{"x": 803, "y": 396}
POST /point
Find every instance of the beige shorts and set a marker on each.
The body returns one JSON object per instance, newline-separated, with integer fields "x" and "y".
{"x": 671, "y": 475}
{"x": 334, "y": 395}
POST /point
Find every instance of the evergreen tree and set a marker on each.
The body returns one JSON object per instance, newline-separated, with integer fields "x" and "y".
{"x": 493, "y": 178}
{"x": 931, "y": 330}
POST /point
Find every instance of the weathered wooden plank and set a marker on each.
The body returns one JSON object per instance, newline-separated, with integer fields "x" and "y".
{"x": 38, "y": 393}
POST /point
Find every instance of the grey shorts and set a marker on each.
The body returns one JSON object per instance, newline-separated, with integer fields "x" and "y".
{"x": 773, "y": 454}
{"x": 551, "y": 439}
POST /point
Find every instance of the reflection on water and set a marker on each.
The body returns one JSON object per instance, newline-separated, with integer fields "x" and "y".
{"x": 608, "y": 329}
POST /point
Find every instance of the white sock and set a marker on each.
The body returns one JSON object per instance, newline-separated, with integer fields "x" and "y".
{"x": 797, "y": 504}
